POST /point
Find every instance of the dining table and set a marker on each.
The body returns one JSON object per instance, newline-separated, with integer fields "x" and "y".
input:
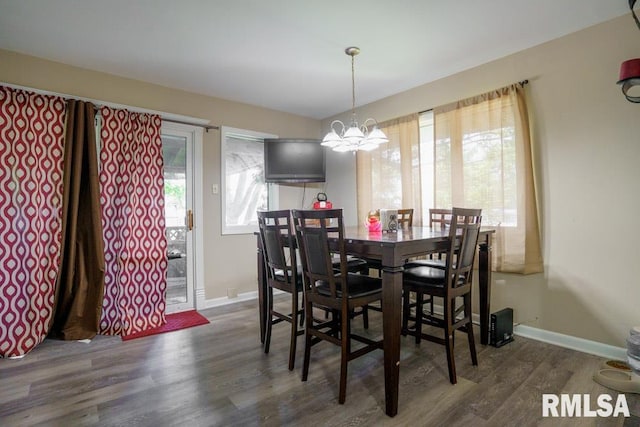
{"x": 393, "y": 249}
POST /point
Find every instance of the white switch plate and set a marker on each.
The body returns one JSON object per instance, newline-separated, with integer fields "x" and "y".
{"x": 214, "y": 189}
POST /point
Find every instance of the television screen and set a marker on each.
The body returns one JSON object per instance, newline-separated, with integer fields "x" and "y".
{"x": 294, "y": 160}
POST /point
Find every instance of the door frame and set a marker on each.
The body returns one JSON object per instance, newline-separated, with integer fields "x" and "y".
{"x": 195, "y": 267}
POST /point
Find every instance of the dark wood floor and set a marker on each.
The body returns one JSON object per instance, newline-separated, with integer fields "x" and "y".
{"x": 217, "y": 375}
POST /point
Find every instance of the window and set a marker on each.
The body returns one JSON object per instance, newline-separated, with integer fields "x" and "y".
{"x": 474, "y": 153}
{"x": 243, "y": 188}
{"x": 481, "y": 158}
{"x": 469, "y": 158}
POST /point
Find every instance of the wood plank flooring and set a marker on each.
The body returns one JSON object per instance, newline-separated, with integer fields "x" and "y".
{"x": 218, "y": 375}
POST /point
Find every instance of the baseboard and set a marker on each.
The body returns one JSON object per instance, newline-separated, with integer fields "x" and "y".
{"x": 218, "y": 302}
{"x": 555, "y": 338}
{"x": 573, "y": 343}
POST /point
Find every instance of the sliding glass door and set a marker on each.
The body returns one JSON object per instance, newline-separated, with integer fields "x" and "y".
{"x": 178, "y": 189}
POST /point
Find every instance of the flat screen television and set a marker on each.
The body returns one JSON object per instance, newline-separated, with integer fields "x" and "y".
{"x": 289, "y": 160}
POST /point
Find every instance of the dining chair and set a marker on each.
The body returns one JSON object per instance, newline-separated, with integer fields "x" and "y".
{"x": 405, "y": 218}
{"x": 452, "y": 284}
{"x": 320, "y": 235}
{"x": 439, "y": 219}
{"x": 282, "y": 273}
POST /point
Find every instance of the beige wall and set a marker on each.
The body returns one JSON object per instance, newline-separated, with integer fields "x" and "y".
{"x": 229, "y": 261}
{"x": 587, "y": 153}
{"x": 587, "y": 163}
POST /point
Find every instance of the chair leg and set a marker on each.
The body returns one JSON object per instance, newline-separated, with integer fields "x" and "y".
{"x": 419, "y": 304}
{"x": 267, "y": 334}
{"x": 448, "y": 341}
{"x": 294, "y": 329}
{"x": 344, "y": 359}
{"x": 470, "y": 336}
{"x": 307, "y": 340}
{"x": 365, "y": 316}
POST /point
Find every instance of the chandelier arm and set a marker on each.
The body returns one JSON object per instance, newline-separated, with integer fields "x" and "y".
{"x": 343, "y": 127}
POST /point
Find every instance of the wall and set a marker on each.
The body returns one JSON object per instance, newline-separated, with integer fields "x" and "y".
{"x": 587, "y": 149}
{"x": 230, "y": 261}
{"x": 587, "y": 153}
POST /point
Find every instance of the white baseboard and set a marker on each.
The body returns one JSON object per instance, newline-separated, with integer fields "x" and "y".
{"x": 555, "y": 338}
{"x": 217, "y": 302}
{"x": 573, "y": 343}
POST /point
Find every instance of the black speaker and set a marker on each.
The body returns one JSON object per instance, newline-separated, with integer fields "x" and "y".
{"x": 501, "y": 327}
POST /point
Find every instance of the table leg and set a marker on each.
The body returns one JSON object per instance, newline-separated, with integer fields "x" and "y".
{"x": 262, "y": 292}
{"x": 484, "y": 285}
{"x": 391, "y": 320}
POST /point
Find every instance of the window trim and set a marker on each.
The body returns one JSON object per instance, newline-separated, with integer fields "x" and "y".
{"x": 273, "y": 190}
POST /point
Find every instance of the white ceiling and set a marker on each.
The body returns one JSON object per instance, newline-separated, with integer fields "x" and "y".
{"x": 288, "y": 55}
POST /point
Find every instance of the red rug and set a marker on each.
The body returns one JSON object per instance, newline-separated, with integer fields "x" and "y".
{"x": 175, "y": 322}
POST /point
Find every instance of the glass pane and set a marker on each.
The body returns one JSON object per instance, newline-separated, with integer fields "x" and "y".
{"x": 246, "y": 191}
{"x": 174, "y": 150}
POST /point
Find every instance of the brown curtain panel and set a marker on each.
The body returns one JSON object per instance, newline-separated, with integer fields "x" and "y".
{"x": 80, "y": 286}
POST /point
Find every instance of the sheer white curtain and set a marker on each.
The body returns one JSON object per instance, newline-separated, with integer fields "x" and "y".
{"x": 389, "y": 177}
{"x": 482, "y": 159}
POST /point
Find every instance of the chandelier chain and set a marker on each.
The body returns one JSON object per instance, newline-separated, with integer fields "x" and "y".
{"x": 353, "y": 85}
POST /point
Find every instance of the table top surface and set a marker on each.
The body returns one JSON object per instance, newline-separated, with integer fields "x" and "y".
{"x": 410, "y": 234}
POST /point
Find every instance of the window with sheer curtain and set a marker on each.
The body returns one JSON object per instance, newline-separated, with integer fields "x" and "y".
{"x": 482, "y": 159}
{"x": 474, "y": 153}
{"x": 389, "y": 177}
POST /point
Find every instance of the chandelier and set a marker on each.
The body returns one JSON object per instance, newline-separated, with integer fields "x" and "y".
{"x": 354, "y": 138}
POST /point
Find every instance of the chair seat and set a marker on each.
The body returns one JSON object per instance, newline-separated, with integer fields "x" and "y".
{"x": 436, "y": 263}
{"x": 279, "y": 275}
{"x": 359, "y": 286}
{"x": 425, "y": 276}
{"x": 354, "y": 265}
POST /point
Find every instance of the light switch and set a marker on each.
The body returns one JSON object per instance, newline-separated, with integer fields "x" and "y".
{"x": 215, "y": 189}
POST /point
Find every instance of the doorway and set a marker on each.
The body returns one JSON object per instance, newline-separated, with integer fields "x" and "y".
{"x": 179, "y": 186}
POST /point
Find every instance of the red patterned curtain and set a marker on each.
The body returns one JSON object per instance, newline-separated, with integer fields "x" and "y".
{"x": 31, "y": 160}
{"x": 132, "y": 201}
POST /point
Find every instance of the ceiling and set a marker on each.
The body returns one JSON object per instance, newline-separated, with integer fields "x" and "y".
{"x": 288, "y": 55}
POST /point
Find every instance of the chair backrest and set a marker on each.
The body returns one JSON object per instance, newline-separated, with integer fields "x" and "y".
{"x": 463, "y": 241}
{"x": 320, "y": 237}
{"x": 405, "y": 218}
{"x": 278, "y": 245}
{"x": 439, "y": 218}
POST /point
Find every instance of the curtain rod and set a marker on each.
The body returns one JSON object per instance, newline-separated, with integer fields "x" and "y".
{"x": 181, "y": 122}
{"x": 521, "y": 83}
{"x": 206, "y": 127}
{"x": 97, "y": 104}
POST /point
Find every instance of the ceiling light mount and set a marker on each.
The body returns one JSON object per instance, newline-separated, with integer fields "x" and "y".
{"x": 355, "y": 137}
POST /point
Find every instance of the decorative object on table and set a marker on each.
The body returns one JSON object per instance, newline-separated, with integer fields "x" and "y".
{"x": 630, "y": 69}
{"x": 322, "y": 202}
{"x": 373, "y": 224}
{"x": 620, "y": 375}
{"x": 355, "y": 137}
{"x": 389, "y": 219}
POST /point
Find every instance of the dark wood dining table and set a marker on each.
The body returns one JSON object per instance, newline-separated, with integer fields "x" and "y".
{"x": 393, "y": 249}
